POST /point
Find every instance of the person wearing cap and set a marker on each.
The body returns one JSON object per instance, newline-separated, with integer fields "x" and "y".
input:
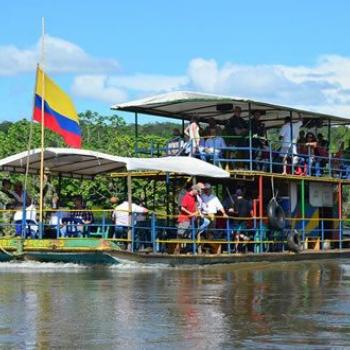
{"x": 188, "y": 210}
{"x": 211, "y": 206}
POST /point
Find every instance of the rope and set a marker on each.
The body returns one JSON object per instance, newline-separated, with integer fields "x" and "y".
{"x": 28, "y": 154}
{"x": 6, "y": 252}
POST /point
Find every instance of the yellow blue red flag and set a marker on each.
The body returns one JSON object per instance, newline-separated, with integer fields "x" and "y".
{"x": 60, "y": 115}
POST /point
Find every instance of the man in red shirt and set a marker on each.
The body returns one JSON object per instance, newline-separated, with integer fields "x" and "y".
{"x": 188, "y": 209}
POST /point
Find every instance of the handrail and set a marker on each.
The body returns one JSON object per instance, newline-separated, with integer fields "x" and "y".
{"x": 317, "y": 165}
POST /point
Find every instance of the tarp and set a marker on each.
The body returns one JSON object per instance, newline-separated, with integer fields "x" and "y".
{"x": 185, "y": 105}
{"x": 84, "y": 163}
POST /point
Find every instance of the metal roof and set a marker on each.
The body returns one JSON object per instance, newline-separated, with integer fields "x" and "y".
{"x": 185, "y": 104}
{"x": 87, "y": 164}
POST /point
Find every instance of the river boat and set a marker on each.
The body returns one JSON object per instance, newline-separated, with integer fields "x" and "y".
{"x": 296, "y": 215}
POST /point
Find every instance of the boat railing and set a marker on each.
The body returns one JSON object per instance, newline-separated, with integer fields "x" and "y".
{"x": 158, "y": 233}
{"x": 271, "y": 158}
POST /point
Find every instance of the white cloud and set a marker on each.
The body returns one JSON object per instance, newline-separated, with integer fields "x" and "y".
{"x": 61, "y": 56}
{"x": 115, "y": 89}
{"x": 147, "y": 82}
{"x": 97, "y": 87}
{"x": 323, "y": 87}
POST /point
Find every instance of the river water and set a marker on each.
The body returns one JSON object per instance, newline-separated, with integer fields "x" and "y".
{"x": 245, "y": 306}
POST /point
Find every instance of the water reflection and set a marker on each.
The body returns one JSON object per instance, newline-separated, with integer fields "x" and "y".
{"x": 262, "y": 306}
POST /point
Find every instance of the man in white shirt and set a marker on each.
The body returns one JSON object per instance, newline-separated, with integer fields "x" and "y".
{"x": 289, "y": 134}
{"x": 210, "y": 206}
{"x": 120, "y": 216}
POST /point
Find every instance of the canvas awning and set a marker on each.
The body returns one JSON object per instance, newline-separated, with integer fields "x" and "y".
{"x": 87, "y": 164}
{"x": 185, "y": 105}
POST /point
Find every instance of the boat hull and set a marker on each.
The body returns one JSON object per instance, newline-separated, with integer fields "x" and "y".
{"x": 178, "y": 260}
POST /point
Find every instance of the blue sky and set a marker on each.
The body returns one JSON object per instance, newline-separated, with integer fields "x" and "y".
{"x": 104, "y": 52}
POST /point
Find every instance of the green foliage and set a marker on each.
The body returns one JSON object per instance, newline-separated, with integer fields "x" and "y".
{"x": 108, "y": 134}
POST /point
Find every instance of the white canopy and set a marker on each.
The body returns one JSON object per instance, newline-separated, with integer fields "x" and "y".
{"x": 184, "y": 105}
{"x": 84, "y": 163}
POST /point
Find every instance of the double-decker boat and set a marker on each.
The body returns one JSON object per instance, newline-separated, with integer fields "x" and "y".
{"x": 297, "y": 193}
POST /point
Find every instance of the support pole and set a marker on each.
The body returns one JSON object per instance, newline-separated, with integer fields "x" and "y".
{"x": 340, "y": 212}
{"x": 261, "y": 209}
{"x": 303, "y": 208}
{"x": 42, "y": 143}
{"x": 136, "y": 126}
{"x": 250, "y": 138}
{"x": 291, "y": 140}
{"x": 329, "y": 149}
{"x": 130, "y": 245}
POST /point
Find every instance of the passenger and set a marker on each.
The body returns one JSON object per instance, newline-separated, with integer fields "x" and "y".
{"x": 6, "y": 204}
{"x": 258, "y": 137}
{"x": 192, "y": 131}
{"x": 17, "y": 195}
{"x": 84, "y": 218}
{"x": 236, "y": 128}
{"x": 301, "y": 138}
{"x": 210, "y": 207}
{"x": 188, "y": 211}
{"x": 322, "y": 152}
{"x": 213, "y": 125}
{"x": 258, "y": 127}
{"x": 31, "y": 227}
{"x": 312, "y": 161}
{"x": 214, "y": 146}
{"x": 289, "y": 146}
{"x": 50, "y": 196}
{"x": 242, "y": 209}
{"x": 176, "y": 144}
{"x": 344, "y": 154}
{"x": 121, "y": 220}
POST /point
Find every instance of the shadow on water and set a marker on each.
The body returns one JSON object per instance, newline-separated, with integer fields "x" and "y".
{"x": 261, "y": 306}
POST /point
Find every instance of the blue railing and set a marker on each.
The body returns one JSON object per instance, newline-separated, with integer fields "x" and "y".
{"x": 159, "y": 234}
{"x": 269, "y": 159}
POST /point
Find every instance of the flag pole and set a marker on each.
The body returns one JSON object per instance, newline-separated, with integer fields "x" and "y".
{"x": 42, "y": 145}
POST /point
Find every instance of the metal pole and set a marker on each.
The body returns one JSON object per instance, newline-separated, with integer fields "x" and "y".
{"x": 250, "y": 138}
{"x": 42, "y": 143}
{"x": 329, "y": 148}
{"x": 340, "y": 210}
{"x": 153, "y": 232}
{"x": 136, "y": 126}
{"x": 130, "y": 233}
{"x": 261, "y": 207}
{"x": 303, "y": 208}
{"x": 167, "y": 184}
{"x": 291, "y": 139}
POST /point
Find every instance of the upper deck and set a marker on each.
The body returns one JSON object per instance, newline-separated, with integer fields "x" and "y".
{"x": 259, "y": 149}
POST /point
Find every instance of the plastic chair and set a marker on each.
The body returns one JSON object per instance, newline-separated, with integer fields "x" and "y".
{"x": 30, "y": 231}
{"x": 71, "y": 227}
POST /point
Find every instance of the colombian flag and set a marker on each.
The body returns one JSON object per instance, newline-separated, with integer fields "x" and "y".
{"x": 60, "y": 115}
